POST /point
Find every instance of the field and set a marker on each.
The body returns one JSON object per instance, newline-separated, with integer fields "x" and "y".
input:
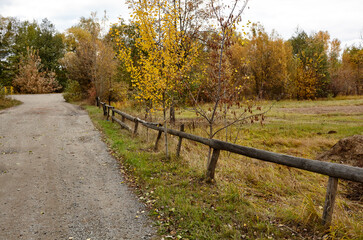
{"x": 250, "y": 199}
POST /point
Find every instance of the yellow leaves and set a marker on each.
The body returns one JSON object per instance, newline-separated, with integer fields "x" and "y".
{"x": 157, "y": 71}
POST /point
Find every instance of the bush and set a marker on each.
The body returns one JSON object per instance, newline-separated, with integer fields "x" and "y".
{"x": 73, "y": 91}
{"x": 31, "y": 79}
{"x": 2, "y": 92}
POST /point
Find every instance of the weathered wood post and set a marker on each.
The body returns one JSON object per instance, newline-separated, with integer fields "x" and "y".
{"x": 331, "y": 192}
{"x": 104, "y": 109}
{"x": 157, "y": 140}
{"x": 108, "y": 112}
{"x": 178, "y": 148}
{"x": 113, "y": 114}
{"x": 212, "y": 164}
{"x": 136, "y": 126}
{"x": 122, "y": 118}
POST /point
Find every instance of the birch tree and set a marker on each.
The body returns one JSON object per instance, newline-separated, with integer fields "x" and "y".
{"x": 164, "y": 62}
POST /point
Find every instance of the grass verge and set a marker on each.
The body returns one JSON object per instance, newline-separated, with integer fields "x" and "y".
{"x": 8, "y": 102}
{"x": 182, "y": 204}
{"x": 251, "y": 199}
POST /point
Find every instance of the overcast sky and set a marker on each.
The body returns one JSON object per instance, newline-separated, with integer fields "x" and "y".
{"x": 343, "y": 19}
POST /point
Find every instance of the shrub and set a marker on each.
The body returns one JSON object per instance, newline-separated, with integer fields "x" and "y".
{"x": 30, "y": 79}
{"x": 73, "y": 91}
{"x": 2, "y": 92}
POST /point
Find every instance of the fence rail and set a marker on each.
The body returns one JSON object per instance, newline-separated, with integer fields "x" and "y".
{"x": 333, "y": 170}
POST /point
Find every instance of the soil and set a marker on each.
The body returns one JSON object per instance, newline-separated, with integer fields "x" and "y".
{"x": 57, "y": 179}
{"x": 348, "y": 151}
{"x": 353, "y": 109}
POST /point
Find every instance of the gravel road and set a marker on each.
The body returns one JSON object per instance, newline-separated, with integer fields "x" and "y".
{"x": 57, "y": 179}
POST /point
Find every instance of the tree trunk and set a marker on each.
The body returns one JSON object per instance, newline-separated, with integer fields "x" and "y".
{"x": 166, "y": 133}
{"x": 172, "y": 115}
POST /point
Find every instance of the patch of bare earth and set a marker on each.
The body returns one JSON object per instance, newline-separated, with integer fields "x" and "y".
{"x": 348, "y": 151}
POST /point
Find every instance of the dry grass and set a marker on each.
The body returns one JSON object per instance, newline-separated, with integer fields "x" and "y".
{"x": 8, "y": 102}
{"x": 284, "y": 196}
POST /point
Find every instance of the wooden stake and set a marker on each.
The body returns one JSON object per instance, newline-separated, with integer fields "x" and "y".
{"x": 331, "y": 192}
{"x": 108, "y": 112}
{"x": 178, "y": 148}
{"x": 113, "y": 114}
{"x": 135, "y": 129}
{"x": 157, "y": 141}
{"x": 212, "y": 164}
{"x": 104, "y": 109}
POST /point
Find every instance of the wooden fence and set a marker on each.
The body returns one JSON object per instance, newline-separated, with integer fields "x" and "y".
{"x": 333, "y": 170}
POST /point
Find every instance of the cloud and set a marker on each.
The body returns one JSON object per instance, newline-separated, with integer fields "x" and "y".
{"x": 343, "y": 19}
{"x": 63, "y": 14}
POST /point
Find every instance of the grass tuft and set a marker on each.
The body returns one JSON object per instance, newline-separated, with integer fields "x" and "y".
{"x": 8, "y": 102}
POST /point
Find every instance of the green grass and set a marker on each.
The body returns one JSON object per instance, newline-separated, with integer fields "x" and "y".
{"x": 181, "y": 202}
{"x": 339, "y": 101}
{"x": 7, "y": 103}
{"x": 250, "y": 199}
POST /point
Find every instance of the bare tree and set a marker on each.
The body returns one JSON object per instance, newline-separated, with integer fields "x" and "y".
{"x": 222, "y": 91}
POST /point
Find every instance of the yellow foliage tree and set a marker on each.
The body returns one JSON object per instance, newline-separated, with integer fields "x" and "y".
{"x": 163, "y": 64}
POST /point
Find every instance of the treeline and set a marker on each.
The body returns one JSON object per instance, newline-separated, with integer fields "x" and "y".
{"x": 35, "y": 58}
{"x": 303, "y": 67}
{"x": 269, "y": 67}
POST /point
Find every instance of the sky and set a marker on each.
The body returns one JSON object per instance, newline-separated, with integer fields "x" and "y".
{"x": 343, "y": 19}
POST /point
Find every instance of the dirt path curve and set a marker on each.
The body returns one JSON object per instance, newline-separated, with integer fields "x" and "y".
{"x": 57, "y": 180}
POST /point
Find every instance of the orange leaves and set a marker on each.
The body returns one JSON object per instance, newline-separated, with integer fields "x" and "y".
{"x": 30, "y": 79}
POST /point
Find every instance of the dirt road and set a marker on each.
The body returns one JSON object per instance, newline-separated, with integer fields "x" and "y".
{"x": 57, "y": 180}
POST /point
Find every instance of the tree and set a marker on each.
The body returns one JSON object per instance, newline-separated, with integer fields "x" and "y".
{"x": 8, "y": 29}
{"x": 268, "y": 58}
{"x": 222, "y": 89}
{"x": 164, "y": 60}
{"x": 348, "y": 77}
{"x": 79, "y": 59}
{"x": 334, "y": 65}
{"x": 31, "y": 79}
{"x": 356, "y": 62}
{"x": 312, "y": 64}
{"x": 51, "y": 49}
{"x": 19, "y": 36}
{"x": 90, "y": 60}
{"x": 127, "y": 34}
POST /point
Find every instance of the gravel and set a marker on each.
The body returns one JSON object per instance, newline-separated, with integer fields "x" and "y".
{"x": 57, "y": 179}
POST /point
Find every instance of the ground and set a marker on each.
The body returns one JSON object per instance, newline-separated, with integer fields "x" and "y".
{"x": 250, "y": 199}
{"x": 58, "y": 181}
{"x": 326, "y": 110}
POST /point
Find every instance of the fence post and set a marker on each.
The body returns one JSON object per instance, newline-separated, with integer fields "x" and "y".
{"x": 136, "y": 125}
{"x": 97, "y": 103}
{"x": 108, "y": 112}
{"x": 180, "y": 141}
{"x": 104, "y": 109}
{"x": 212, "y": 164}
{"x": 157, "y": 140}
{"x": 331, "y": 192}
{"x": 113, "y": 114}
